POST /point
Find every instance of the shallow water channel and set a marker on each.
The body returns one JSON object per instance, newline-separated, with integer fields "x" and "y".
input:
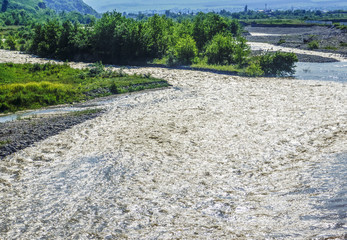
{"x": 214, "y": 157}
{"x": 335, "y": 71}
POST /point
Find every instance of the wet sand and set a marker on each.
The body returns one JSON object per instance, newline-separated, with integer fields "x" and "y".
{"x": 213, "y": 157}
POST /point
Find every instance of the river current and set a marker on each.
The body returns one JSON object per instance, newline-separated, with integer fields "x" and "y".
{"x": 213, "y": 157}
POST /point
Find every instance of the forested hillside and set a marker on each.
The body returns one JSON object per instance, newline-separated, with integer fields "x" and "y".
{"x": 71, "y": 5}
{"x": 28, "y": 5}
{"x": 58, "y": 5}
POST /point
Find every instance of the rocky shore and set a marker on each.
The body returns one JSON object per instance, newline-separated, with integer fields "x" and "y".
{"x": 17, "y": 135}
{"x": 331, "y": 41}
{"x": 305, "y": 57}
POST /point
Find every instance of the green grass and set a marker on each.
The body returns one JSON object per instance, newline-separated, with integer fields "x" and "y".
{"x": 331, "y": 48}
{"x": 223, "y": 68}
{"x": 313, "y": 45}
{"x": 202, "y": 64}
{"x": 30, "y": 86}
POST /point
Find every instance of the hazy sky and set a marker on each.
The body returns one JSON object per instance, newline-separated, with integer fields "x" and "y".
{"x": 141, "y": 5}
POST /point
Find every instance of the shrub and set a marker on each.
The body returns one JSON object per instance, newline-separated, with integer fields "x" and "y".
{"x": 278, "y": 64}
{"x": 185, "y": 50}
{"x": 254, "y": 70}
{"x": 96, "y": 70}
{"x": 11, "y": 42}
{"x": 225, "y": 50}
{"x": 171, "y": 58}
{"x": 313, "y": 45}
{"x": 331, "y": 48}
{"x": 281, "y": 41}
{"x": 113, "y": 88}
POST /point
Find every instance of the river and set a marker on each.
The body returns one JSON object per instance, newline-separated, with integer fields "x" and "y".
{"x": 213, "y": 157}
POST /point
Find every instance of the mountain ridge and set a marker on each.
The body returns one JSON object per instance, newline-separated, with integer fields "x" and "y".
{"x": 57, "y": 5}
{"x": 71, "y": 5}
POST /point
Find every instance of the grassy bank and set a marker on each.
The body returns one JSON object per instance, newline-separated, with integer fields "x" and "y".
{"x": 29, "y": 86}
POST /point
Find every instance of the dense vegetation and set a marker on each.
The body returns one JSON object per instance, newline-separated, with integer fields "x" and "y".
{"x": 24, "y": 86}
{"x": 206, "y": 39}
{"x": 28, "y": 12}
{"x": 202, "y": 40}
{"x": 116, "y": 39}
{"x": 33, "y": 6}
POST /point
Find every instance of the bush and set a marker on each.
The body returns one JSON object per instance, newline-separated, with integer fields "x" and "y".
{"x": 226, "y": 50}
{"x": 113, "y": 88}
{"x": 96, "y": 70}
{"x": 171, "y": 58}
{"x": 24, "y": 95}
{"x": 185, "y": 50}
{"x": 281, "y": 41}
{"x": 11, "y": 42}
{"x": 278, "y": 64}
{"x": 254, "y": 70}
{"x": 313, "y": 45}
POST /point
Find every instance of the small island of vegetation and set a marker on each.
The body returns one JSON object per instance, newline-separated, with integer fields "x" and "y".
{"x": 29, "y": 86}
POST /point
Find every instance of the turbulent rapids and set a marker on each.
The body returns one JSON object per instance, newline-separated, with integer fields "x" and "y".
{"x": 213, "y": 157}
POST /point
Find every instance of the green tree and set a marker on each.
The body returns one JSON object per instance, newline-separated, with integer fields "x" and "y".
{"x": 45, "y": 39}
{"x": 11, "y": 42}
{"x": 225, "y": 49}
{"x": 65, "y": 47}
{"x": 157, "y": 29}
{"x": 185, "y": 50}
{"x": 206, "y": 26}
{"x": 278, "y": 64}
{"x": 4, "y": 5}
{"x": 103, "y": 42}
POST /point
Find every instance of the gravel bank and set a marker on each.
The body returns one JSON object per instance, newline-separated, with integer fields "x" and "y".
{"x": 298, "y": 37}
{"x": 260, "y": 46}
{"x": 17, "y": 135}
{"x": 304, "y": 57}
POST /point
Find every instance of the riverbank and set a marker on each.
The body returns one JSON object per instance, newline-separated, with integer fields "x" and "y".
{"x": 329, "y": 39}
{"x": 305, "y": 55}
{"x": 20, "y": 134}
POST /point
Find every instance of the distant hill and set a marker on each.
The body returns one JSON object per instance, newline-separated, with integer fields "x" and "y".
{"x": 29, "y": 5}
{"x": 57, "y": 5}
{"x": 71, "y": 5}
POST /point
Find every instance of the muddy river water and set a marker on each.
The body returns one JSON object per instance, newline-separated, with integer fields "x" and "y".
{"x": 212, "y": 157}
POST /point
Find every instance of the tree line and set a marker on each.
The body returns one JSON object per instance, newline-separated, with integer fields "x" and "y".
{"x": 117, "y": 39}
{"x": 206, "y": 39}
